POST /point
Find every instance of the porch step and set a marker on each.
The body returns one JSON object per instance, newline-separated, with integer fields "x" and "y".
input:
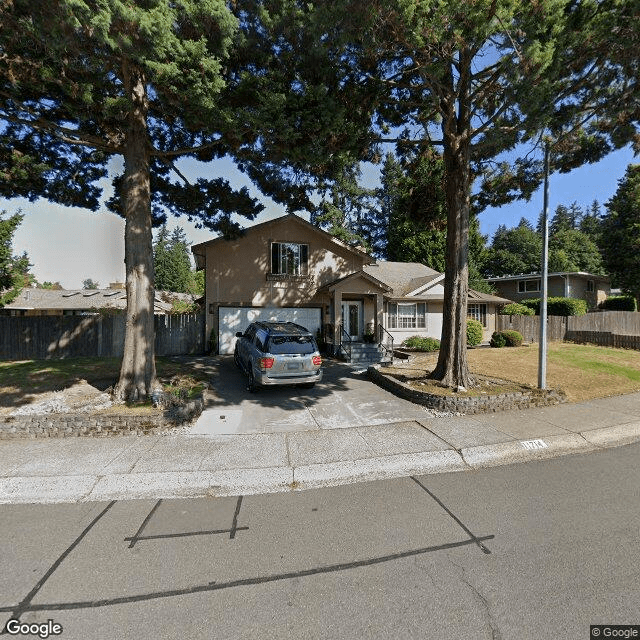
{"x": 364, "y": 353}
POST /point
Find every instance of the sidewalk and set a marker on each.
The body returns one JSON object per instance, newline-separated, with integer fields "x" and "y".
{"x": 181, "y": 466}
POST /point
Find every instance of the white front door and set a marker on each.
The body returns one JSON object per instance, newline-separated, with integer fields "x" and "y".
{"x": 352, "y": 319}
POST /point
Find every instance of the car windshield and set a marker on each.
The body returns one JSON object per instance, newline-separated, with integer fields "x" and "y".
{"x": 291, "y": 344}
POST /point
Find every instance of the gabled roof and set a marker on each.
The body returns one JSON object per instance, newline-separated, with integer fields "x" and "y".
{"x": 401, "y": 277}
{"x": 361, "y": 275}
{"x": 291, "y": 217}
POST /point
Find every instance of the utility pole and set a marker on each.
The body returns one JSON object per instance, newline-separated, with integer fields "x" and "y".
{"x": 542, "y": 353}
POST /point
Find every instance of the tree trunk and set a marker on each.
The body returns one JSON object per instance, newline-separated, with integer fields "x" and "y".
{"x": 138, "y": 369}
{"x": 453, "y": 367}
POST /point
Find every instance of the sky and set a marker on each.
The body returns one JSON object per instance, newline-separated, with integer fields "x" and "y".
{"x": 69, "y": 245}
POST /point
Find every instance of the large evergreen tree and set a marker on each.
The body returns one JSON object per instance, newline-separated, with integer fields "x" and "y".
{"x": 152, "y": 81}
{"x": 621, "y": 234}
{"x": 476, "y": 79}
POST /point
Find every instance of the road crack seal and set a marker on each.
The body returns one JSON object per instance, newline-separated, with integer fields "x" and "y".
{"x": 493, "y": 626}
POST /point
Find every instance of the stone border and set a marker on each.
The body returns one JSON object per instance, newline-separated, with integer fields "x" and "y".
{"x": 469, "y": 405}
{"x": 69, "y": 425}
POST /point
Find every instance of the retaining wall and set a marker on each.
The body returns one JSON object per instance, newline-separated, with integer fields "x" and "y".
{"x": 70, "y": 425}
{"x": 469, "y": 405}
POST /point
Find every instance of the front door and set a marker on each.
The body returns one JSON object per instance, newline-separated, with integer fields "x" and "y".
{"x": 352, "y": 319}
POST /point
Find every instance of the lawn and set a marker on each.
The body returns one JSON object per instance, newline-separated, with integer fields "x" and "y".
{"x": 581, "y": 371}
{"x": 24, "y": 381}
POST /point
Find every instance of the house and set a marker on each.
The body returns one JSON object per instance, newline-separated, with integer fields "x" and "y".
{"x": 288, "y": 269}
{"x": 80, "y": 302}
{"x": 577, "y": 284}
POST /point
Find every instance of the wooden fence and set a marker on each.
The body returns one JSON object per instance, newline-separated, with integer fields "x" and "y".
{"x": 611, "y": 328}
{"x": 36, "y": 337}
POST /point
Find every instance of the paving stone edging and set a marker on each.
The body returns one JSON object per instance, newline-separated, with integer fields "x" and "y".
{"x": 69, "y": 425}
{"x": 469, "y": 405}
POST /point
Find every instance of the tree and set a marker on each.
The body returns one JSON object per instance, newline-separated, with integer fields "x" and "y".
{"x": 621, "y": 233}
{"x": 513, "y": 251}
{"x": 90, "y": 284}
{"x": 477, "y": 80}
{"x": 152, "y": 82}
{"x": 171, "y": 261}
{"x": 573, "y": 250}
{"x": 14, "y": 270}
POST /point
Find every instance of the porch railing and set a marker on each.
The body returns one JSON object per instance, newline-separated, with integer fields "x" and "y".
{"x": 345, "y": 342}
{"x": 385, "y": 340}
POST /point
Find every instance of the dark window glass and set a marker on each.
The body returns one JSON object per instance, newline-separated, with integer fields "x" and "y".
{"x": 303, "y": 345}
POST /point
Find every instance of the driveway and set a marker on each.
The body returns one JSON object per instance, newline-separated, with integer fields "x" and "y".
{"x": 344, "y": 398}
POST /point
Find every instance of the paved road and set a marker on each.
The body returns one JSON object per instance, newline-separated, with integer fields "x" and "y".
{"x": 531, "y": 551}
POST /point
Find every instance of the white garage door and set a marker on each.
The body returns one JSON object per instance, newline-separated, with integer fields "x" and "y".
{"x": 234, "y": 319}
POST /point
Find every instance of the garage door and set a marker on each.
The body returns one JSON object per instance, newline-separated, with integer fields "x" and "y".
{"x": 234, "y": 319}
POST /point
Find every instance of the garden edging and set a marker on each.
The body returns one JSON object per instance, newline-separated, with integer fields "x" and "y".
{"x": 469, "y": 405}
{"x": 65, "y": 425}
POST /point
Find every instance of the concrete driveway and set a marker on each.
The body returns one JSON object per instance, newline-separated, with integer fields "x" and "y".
{"x": 344, "y": 398}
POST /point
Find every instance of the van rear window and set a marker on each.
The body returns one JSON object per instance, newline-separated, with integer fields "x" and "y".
{"x": 291, "y": 344}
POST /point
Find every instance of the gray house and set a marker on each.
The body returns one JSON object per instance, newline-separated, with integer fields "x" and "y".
{"x": 577, "y": 284}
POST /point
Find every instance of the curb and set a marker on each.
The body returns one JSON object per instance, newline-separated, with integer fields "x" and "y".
{"x": 224, "y": 483}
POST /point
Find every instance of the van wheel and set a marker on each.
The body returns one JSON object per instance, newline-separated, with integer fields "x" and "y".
{"x": 252, "y": 387}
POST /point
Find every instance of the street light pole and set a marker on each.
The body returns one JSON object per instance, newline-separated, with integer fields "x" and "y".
{"x": 542, "y": 353}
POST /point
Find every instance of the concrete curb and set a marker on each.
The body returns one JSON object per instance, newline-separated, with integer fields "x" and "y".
{"x": 220, "y": 483}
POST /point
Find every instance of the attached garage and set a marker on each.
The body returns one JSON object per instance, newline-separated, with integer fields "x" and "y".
{"x": 234, "y": 319}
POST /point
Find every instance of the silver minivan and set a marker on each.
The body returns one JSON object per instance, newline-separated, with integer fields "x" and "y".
{"x": 277, "y": 353}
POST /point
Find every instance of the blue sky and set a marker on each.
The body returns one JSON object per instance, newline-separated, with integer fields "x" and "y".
{"x": 70, "y": 245}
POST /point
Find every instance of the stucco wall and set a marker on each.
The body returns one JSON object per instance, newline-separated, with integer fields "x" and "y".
{"x": 237, "y": 271}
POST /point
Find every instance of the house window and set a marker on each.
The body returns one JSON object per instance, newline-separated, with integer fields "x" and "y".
{"x": 590, "y": 286}
{"x": 478, "y": 312}
{"x": 289, "y": 258}
{"x": 529, "y": 285}
{"x": 403, "y": 315}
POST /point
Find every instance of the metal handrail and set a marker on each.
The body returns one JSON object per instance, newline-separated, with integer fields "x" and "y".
{"x": 347, "y": 349}
{"x": 384, "y": 344}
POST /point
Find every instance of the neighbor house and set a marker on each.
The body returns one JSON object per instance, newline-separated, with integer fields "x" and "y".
{"x": 81, "y": 302}
{"x": 288, "y": 269}
{"x": 576, "y": 284}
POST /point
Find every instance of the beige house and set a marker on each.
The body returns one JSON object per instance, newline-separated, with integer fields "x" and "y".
{"x": 577, "y": 284}
{"x": 288, "y": 269}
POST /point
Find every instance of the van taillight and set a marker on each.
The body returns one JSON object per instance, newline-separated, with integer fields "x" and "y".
{"x": 317, "y": 360}
{"x": 266, "y": 363}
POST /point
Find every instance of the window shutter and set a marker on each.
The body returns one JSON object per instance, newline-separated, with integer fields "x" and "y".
{"x": 275, "y": 257}
{"x": 304, "y": 259}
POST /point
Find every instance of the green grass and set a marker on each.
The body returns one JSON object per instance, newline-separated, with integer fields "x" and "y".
{"x": 589, "y": 359}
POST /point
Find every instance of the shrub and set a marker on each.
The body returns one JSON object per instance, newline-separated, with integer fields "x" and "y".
{"x": 513, "y": 338}
{"x": 474, "y": 332}
{"x": 619, "y": 303}
{"x": 516, "y": 309}
{"x": 506, "y": 339}
{"x": 422, "y": 344}
{"x": 559, "y": 306}
{"x": 498, "y": 340}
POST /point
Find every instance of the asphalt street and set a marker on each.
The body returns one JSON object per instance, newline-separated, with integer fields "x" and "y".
{"x": 539, "y": 550}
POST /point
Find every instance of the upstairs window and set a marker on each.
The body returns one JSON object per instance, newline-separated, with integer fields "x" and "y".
{"x": 528, "y": 285}
{"x": 289, "y": 258}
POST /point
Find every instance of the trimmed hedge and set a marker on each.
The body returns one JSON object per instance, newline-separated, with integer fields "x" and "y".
{"x": 559, "y": 306}
{"x": 422, "y": 344}
{"x": 506, "y": 339}
{"x": 516, "y": 309}
{"x": 619, "y": 303}
{"x": 474, "y": 332}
